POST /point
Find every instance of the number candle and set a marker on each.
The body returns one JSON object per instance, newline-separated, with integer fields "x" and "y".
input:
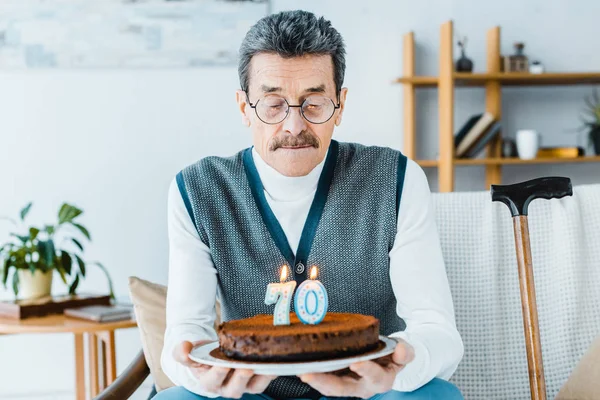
{"x": 310, "y": 301}
{"x": 280, "y": 294}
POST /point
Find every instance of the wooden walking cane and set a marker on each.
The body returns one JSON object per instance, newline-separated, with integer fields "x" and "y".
{"x": 517, "y": 197}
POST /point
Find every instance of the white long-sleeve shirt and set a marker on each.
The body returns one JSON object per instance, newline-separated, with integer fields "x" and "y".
{"x": 417, "y": 274}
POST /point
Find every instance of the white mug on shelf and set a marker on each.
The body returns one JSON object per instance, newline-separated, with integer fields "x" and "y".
{"x": 528, "y": 143}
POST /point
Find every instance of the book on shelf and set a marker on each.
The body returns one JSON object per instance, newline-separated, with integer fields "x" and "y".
{"x": 49, "y": 305}
{"x": 560, "y": 152}
{"x": 484, "y": 139}
{"x": 468, "y": 140}
{"x": 101, "y": 313}
{"x": 460, "y": 135}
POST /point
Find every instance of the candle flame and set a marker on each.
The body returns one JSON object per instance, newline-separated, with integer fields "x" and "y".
{"x": 284, "y": 273}
{"x": 313, "y": 272}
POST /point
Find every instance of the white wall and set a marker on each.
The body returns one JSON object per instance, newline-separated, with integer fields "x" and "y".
{"x": 111, "y": 141}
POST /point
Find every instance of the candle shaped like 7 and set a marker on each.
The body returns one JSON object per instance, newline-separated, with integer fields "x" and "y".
{"x": 310, "y": 300}
{"x": 280, "y": 294}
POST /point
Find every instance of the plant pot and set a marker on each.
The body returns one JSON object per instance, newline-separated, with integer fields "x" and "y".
{"x": 33, "y": 286}
{"x": 595, "y": 138}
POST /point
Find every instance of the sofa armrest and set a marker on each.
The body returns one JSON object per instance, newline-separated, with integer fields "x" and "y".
{"x": 128, "y": 382}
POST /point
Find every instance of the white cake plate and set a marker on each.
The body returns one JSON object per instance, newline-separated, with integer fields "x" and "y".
{"x": 209, "y": 354}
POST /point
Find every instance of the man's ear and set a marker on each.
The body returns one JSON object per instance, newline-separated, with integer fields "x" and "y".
{"x": 242, "y": 100}
{"x": 343, "y": 93}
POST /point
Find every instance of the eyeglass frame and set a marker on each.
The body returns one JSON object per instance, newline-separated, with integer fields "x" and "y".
{"x": 287, "y": 113}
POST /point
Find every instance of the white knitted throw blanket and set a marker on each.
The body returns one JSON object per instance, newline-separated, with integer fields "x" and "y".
{"x": 479, "y": 249}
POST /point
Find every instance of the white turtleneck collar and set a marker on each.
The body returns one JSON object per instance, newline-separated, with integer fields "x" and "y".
{"x": 286, "y": 188}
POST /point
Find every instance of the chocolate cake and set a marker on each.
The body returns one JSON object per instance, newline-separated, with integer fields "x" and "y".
{"x": 338, "y": 335}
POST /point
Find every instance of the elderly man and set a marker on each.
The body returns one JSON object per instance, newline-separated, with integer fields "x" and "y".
{"x": 294, "y": 197}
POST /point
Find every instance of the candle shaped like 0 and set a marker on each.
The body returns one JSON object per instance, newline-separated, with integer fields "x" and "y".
{"x": 310, "y": 300}
{"x": 280, "y": 294}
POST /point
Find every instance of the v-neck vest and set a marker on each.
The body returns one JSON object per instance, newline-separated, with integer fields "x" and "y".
{"x": 348, "y": 234}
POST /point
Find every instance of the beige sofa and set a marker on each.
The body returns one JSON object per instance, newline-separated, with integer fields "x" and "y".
{"x": 479, "y": 250}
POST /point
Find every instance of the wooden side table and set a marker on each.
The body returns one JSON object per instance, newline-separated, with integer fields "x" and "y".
{"x": 100, "y": 374}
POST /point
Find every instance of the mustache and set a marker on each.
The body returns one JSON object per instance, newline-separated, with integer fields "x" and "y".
{"x": 302, "y": 139}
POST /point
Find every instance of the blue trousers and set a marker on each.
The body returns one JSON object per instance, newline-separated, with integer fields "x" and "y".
{"x": 434, "y": 390}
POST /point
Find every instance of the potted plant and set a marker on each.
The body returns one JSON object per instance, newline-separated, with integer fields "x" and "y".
{"x": 591, "y": 120}
{"x": 37, "y": 253}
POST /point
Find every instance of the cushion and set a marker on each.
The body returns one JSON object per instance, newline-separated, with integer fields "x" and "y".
{"x": 149, "y": 301}
{"x": 584, "y": 381}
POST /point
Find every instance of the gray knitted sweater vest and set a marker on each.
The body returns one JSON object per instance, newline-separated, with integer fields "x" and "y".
{"x": 348, "y": 234}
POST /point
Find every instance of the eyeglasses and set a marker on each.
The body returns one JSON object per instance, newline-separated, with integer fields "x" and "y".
{"x": 315, "y": 109}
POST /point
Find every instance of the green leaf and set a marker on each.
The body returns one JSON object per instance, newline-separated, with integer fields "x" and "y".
{"x": 82, "y": 230}
{"x": 25, "y": 211}
{"x": 43, "y": 251}
{"x": 110, "y": 285}
{"x": 23, "y": 239}
{"x": 33, "y": 232}
{"x": 5, "y": 272}
{"x": 67, "y": 213}
{"x": 74, "y": 285}
{"x": 62, "y": 274}
{"x": 47, "y": 251}
{"x": 77, "y": 243}
{"x": 15, "y": 283}
{"x": 49, "y": 229}
{"x": 81, "y": 265}
{"x": 66, "y": 262}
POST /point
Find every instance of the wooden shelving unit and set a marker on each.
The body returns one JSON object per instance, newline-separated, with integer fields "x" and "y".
{"x": 492, "y": 82}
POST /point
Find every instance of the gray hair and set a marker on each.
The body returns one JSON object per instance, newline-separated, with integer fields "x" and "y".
{"x": 293, "y": 34}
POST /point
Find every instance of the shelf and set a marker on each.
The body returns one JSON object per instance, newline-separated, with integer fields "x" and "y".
{"x": 465, "y": 79}
{"x": 510, "y": 161}
{"x": 420, "y": 81}
{"x": 427, "y": 163}
{"x": 492, "y": 80}
{"x": 527, "y": 79}
{"x": 518, "y": 161}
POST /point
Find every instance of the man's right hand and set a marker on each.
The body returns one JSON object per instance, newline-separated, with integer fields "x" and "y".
{"x": 225, "y": 382}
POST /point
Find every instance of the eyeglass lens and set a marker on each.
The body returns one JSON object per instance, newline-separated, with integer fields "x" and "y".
{"x": 274, "y": 109}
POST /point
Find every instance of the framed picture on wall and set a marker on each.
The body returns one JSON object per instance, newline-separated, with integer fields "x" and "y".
{"x": 124, "y": 33}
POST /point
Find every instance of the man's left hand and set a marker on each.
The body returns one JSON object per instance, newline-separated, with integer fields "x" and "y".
{"x": 370, "y": 377}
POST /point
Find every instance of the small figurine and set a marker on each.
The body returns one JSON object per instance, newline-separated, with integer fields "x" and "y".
{"x": 509, "y": 148}
{"x": 463, "y": 64}
{"x": 517, "y": 62}
{"x": 536, "y": 67}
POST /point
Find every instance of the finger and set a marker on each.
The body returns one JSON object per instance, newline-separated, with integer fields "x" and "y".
{"x": 181, "y": 353}
{"x": 404, "y": 353}
{"x": 236, "y": 385}
{"x": 213, "y": 379}
{"x": 375, "y": 378}
{"x": 331, "y": 385}
{"x": 384, "y": 361}
{"x": 259, "y": 383}
{"x": 368, "y": 370}
{"x": 199, "y": 370}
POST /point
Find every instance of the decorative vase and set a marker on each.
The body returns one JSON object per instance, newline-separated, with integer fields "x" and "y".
{"x": 509, "y": 148}
{"x": 464, "y": 64}
{"x": 528, "y": 143}
{"x": 33, "y": 286}
{"x": 595, "y": 138}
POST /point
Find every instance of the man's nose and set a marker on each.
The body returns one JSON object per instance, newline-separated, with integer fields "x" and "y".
{"x": 295, "y": 122}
